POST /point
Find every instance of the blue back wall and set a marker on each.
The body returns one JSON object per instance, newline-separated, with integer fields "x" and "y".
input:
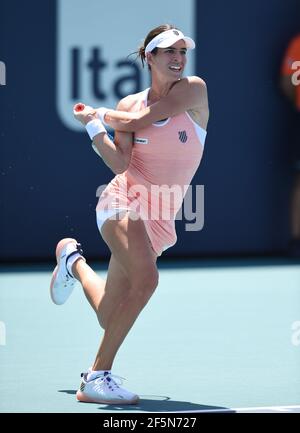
{"x": 48, "y": 178}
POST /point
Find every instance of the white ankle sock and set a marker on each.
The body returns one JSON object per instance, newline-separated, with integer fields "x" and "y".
{"x": 71, "y": 262}
{"x": 93, "y": 374}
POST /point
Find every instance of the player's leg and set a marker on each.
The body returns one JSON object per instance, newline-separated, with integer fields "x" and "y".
{"x": 72, "y": 266}
{"x": 130, "y": 247}
{"x": 129, "y": 244}
{"x": 102, "y": 294}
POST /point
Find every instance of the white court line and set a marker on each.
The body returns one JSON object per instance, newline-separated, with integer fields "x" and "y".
{"x": 275, "y": 408}
{"x": 244, "y": 409}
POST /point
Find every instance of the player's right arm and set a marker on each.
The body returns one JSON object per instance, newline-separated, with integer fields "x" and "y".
{"x": 116, "y": 153}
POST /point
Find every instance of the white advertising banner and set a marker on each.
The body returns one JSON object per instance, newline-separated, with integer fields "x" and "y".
{"x": 94, "y": 40}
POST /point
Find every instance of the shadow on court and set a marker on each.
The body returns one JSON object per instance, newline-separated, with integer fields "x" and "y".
{"x": 156, "y": 403}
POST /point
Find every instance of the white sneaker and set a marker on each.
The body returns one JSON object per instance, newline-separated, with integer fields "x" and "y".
{"x": 104, "y": 389}
{"x": 62, "y": 282}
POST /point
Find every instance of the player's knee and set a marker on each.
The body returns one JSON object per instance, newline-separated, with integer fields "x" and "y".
{"x": 144, "y": 282}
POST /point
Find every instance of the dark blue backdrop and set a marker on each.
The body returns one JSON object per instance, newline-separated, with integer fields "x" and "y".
{"x": 49, "y": 176}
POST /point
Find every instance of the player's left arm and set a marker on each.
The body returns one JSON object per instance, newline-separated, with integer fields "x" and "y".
{"x": 186, "y": 94}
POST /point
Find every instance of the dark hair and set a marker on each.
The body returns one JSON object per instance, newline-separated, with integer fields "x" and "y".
{"x": 151, "y": 35}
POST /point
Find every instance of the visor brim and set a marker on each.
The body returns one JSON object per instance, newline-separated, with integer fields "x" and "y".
{"x": 190, "y": 44}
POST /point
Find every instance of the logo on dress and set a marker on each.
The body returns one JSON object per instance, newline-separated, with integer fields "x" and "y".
{"x": 183, "y": 136}
{"x": 139, "y": 140}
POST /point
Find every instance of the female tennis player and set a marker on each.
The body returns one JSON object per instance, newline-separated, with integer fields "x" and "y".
{"x": 158, "y": 143}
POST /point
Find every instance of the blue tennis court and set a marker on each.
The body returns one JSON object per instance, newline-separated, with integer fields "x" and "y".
{"x": 216, "y": 336}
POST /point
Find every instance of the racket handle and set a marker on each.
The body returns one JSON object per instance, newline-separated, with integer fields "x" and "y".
{"x": 79, "y": 107}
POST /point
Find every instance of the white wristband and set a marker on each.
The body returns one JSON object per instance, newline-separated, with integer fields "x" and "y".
{"x": 101, "y": 114}
{"x": 94, "y": 127}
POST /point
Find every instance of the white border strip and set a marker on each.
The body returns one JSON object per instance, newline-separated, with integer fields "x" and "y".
{"x": 244, "y": 409}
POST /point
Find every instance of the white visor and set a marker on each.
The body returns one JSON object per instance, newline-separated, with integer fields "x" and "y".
{"x": 167, "y": 39}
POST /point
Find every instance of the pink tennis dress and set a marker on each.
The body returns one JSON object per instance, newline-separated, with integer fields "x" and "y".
{"x": 164, "y": 160}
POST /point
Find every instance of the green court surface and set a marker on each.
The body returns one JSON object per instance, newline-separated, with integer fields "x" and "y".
{"x": 214, "y": 337}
